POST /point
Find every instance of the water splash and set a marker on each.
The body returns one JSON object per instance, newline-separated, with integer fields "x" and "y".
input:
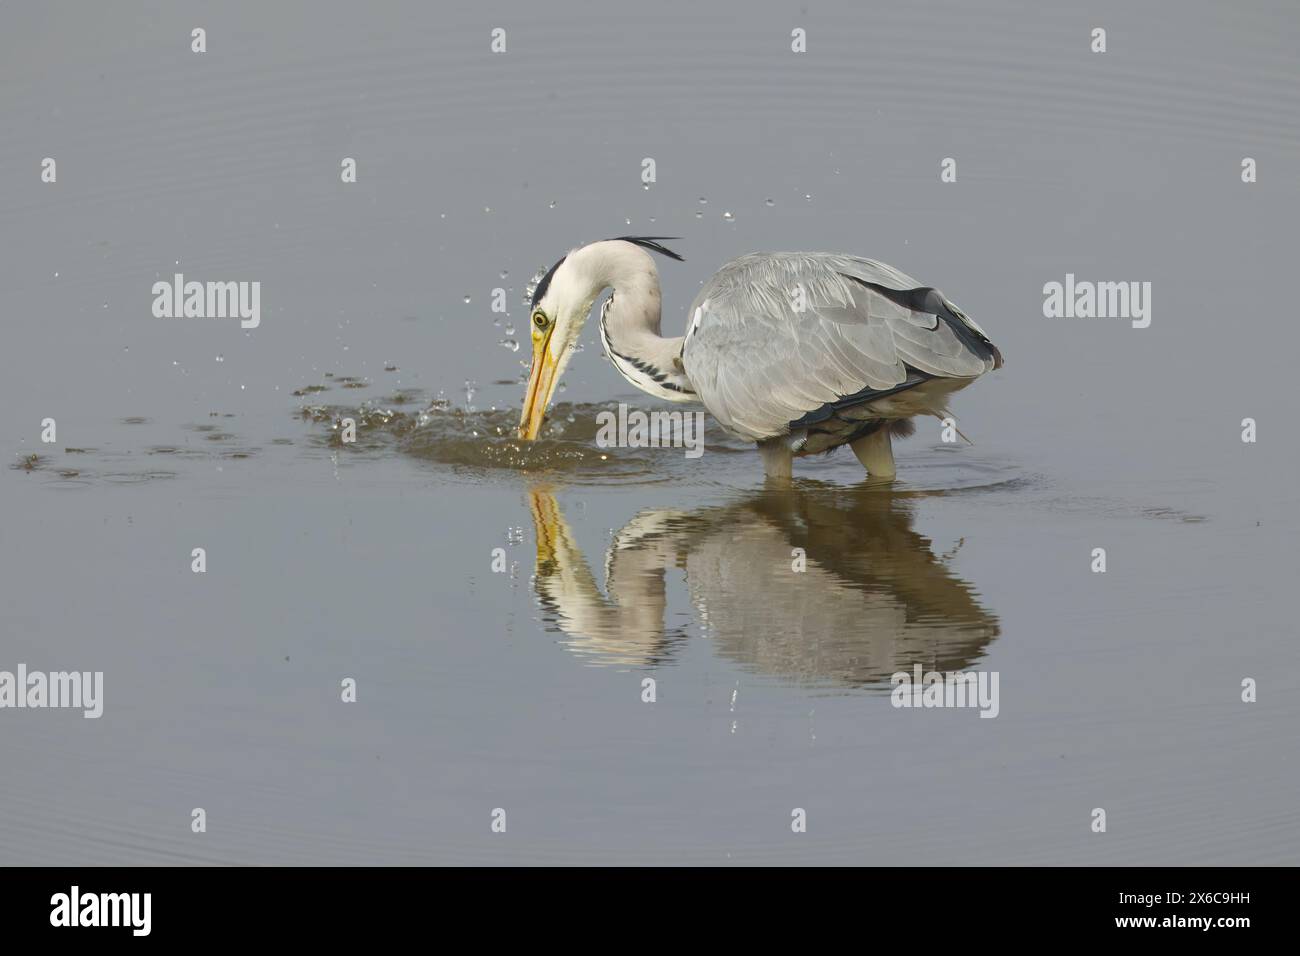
{"x": 483, "y": 441}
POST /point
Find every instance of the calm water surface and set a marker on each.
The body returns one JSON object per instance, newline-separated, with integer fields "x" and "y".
{"x": 522, "y": 690}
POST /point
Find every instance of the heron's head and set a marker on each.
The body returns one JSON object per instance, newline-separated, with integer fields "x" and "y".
{"x": 561, "y": 304}
{"x": 563, "y": 300}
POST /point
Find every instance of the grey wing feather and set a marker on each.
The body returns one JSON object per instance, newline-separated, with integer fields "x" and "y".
{"x": 759, "y": 364}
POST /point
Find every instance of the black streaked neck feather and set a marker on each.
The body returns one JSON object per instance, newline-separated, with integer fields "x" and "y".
{"x": 642, "y": 356}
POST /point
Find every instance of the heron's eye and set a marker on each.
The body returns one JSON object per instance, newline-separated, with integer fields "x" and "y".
{"x": 540, "y": 320}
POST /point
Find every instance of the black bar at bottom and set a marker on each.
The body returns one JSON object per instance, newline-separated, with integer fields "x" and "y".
{"x": 372, "y": 905}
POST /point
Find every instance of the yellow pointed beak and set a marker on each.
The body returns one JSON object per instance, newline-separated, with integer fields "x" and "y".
{"x": 541, "y": 382}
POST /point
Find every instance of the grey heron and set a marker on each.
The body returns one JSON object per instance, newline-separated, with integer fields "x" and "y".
{"x": 800, "y": 352}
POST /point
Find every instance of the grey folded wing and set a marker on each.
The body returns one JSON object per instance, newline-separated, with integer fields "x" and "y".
{"x": 775, "y": 336}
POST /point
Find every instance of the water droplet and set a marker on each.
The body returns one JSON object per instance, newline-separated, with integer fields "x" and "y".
{"x": 505, "y": 273}
{"x": 769, "y": 202}
{"x": 552, "y": 206}
{"x": 729, "y": 217}
{"x": 698, "y": 214}
{"x": 467, "y": 300}
{"x": 807, "y": 197}
{"x": 221, "y": 358}
{"x": 627, "y": 220}
{"x": 645, "y": 186}
{"x": 703, "y": 201}
{"x": 510, "y": 344}
{"x": 510, "y": 328}
{"x": 487, "y": 209}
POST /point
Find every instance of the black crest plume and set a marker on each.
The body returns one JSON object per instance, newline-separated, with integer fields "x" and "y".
{"x": 653, "y": 244}
{"x": 645, "y": 242}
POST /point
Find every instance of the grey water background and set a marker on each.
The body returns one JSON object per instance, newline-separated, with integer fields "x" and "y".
{"x": 1117, "y": 690}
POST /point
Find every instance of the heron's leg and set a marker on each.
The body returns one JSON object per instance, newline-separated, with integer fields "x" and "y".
{"x": 876, "y": 453}
{"x": 778, "y": 459}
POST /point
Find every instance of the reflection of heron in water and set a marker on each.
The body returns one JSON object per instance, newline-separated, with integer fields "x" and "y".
{"x": 873, "y": 599}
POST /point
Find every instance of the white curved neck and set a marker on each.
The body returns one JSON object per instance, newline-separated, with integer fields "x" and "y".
{"x": 630, "y": 319}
